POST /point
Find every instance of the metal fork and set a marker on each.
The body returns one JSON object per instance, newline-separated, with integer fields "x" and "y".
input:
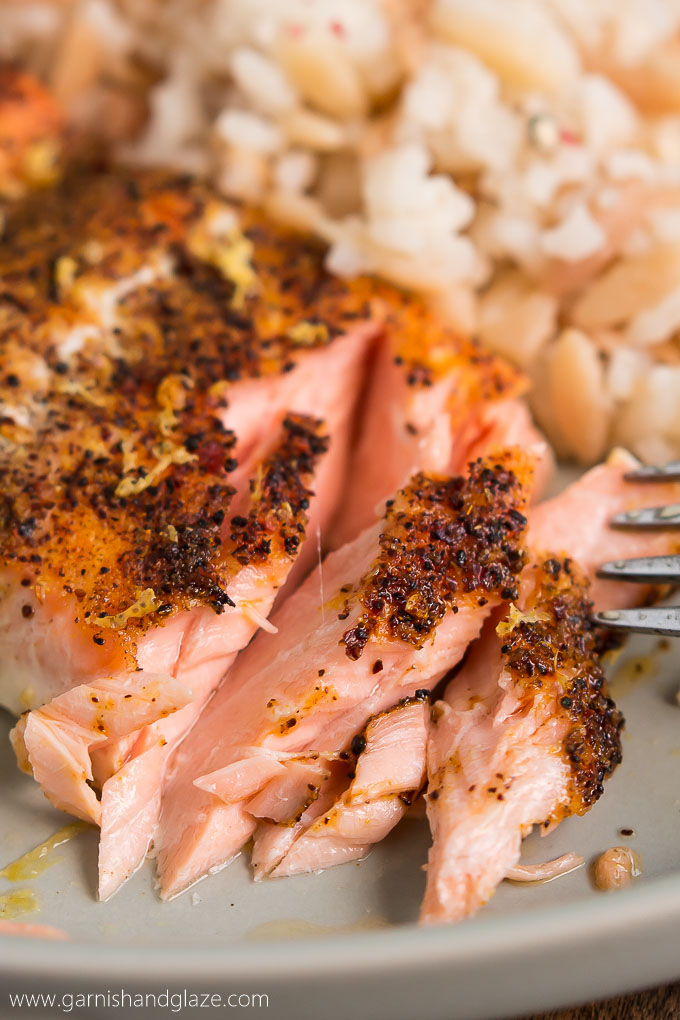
{"x": 664, "y": 620}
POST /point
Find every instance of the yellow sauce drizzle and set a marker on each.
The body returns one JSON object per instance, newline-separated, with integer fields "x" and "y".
{"x": 18, "y": 904}
{"x": 38, "y": 860}
{"x": 633, "y": 671}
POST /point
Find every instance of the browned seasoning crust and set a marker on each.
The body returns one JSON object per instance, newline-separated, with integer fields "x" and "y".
{"x": 115, "y": 469}
{"x": 31, "y": 134}
{"x": 425, "y": 350}
{"x": 114, "y": 464}
{"x": 130, "y": 303}
{"x": 556, "y": 652}
{"x": 111, "y": 225}
{"x": 446, "y": 542}
{"x": 175, "y": 537}
{"x": 280, "y": 496}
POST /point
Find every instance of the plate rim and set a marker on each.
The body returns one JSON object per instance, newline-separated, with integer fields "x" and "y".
{"x": 587, "y": 919}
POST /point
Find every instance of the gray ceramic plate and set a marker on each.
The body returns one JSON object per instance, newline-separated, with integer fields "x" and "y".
{"x": 344, "y": 943}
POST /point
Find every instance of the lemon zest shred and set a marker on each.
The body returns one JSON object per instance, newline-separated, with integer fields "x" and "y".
{"x": 130, "y": 458}
{"x": 516, "y": 616}
{"x": 65, "y": 272}
{"x": 146, "y": 603}
{"x": 307, "y": 334}
{"x": 171, "y": 397}
{"x": 72, "y": 388}
{"x": 232, "y": 255}
{"x": 219, "y": 389}
{"x": 133, "y": 486}
{"x": 41, "y": 162}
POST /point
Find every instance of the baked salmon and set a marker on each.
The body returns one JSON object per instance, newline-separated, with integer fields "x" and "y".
{"x": 31, "y": 931}
{"x": 117, "y": 732}
{"x": 389, "y": 615}
{"x": 526, "y": 733}
{"x": 128, "y": 374}
{"x": 153, "y": 342}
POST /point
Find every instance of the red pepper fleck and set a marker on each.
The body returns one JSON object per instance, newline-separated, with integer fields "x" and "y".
{"x": 569, "y": 137}
{"x": 211, "y": 456}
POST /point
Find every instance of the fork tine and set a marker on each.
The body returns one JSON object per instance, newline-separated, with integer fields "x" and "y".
{"x": 649, "y": 569}
{"x": 665, "y": 620}
{"x": 655, "y": 473}
{"x": 652, "y": 517}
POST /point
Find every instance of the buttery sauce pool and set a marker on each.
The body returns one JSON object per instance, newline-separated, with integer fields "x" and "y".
{"x": 38, "y": 860}
{"x": 18, "y": 903}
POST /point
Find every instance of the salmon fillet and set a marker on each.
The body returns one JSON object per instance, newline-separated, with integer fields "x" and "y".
{"x": 135, "y": 395}
{"x": 119, "y": 731}
{"x": 390, "y": 615}
{"x": 31, "y": 931}
{"x": 525, "y": 733}
{"x": 154, "y": 342}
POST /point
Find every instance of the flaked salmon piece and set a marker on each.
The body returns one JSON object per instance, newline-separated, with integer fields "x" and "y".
{"x": 526, "y": 733}
{"x": 152, "y": 340}
{"x": 242, "y": 779}
{"x": 296, "y": 788}
{"x": 434, "y": 402}
{"x": 31, "y": 134}
{"x": 266, "y": 538}
{"x": 389, "y": 774}
{"x": 397, "y": 609}
{"x": 271, "y": 842}
{"x": 55, "y": 740}
{"x": 504, "y": 424}
{"x": 130, "y": 718}
{"x": 329, "y": 379}
{"x": 575, "y": 523}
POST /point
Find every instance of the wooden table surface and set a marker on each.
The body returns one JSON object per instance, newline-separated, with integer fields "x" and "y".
{"x": 658, "y": 1004}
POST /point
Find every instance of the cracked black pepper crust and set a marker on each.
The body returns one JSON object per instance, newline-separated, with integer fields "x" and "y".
{"x": 447, "y": 542}
{"x": 559, "y": 652}
{"x": 119, "y": 340}
{"x": 280, "y": 496}
{"x": 126, "y": 314}
{"x": 174, "y": 537}
{"x": 112, "y": 225}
